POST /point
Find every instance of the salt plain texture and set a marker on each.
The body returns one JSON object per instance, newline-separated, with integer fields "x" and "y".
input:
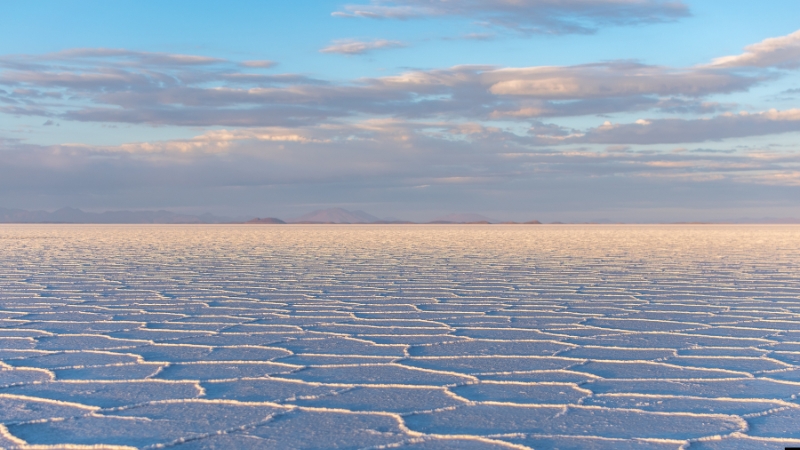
{"x": 425, "y": 337}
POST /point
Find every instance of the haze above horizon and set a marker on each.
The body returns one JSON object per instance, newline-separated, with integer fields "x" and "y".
{"x": 645, "y": 111}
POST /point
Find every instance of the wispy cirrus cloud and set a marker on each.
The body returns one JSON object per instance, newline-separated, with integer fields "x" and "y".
{"x": 528, "y": 16}
{"x": 357, "y": 47}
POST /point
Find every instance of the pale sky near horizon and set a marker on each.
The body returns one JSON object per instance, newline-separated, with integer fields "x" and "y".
{"x": 571, "y": 110}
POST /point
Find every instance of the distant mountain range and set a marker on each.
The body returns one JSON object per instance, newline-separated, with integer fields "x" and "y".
{"x": 322, "y": 216}
{"x": 72, "y": 215}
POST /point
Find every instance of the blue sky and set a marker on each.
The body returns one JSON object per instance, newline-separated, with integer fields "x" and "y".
{"x": 570, "y": 110}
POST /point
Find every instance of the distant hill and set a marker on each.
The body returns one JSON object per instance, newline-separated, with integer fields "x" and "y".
{"x": 336, "y": 215}
{"x": 265, "y": 221}
{"x": 73, "y": 215}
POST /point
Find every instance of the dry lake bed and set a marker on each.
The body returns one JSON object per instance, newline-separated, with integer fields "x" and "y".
{"x": 421, "y": 337}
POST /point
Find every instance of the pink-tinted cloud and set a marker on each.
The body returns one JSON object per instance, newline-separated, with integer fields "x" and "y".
{"x": 781, "y": 52}
{"x": 356, "y": 47}
{"x": 262, "y": 64}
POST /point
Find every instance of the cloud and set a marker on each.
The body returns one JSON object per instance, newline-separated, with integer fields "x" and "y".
{"x": 692, "y": 106}
{"x": 381, "y": 162}
{"x": 355, "y": 47}
{"x": 205, "y": 115}
{"x": 528, "y": 16}
{"x": 138, "y": 89}
{"x": 479, "y": 36}
{"x": 263, "y": 64}
{"x": 607, "y": 80}
{"x": 286, "y": 138}
{"x": 208, "y": 143}
{"x": 676, "y": 131}
{"x": 146, "y": 58}
{"x": 113, "y": 85}
{"x": 782, "y": 52}
{"x": 540, "y": 135}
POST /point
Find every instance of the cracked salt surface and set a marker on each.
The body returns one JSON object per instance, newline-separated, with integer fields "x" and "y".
{"x": 420, "y": 337}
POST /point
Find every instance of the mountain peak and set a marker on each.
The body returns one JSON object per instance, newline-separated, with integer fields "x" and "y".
{"x": 265, "y": 221}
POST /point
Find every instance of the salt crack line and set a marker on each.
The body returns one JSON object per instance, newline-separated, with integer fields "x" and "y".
{"x": 744, "y": 436}
{"x": 436, "y": 437}
{"x": 241, "y": 428}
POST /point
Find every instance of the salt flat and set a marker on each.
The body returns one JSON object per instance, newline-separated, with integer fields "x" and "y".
{"x": 426, "y": 337}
